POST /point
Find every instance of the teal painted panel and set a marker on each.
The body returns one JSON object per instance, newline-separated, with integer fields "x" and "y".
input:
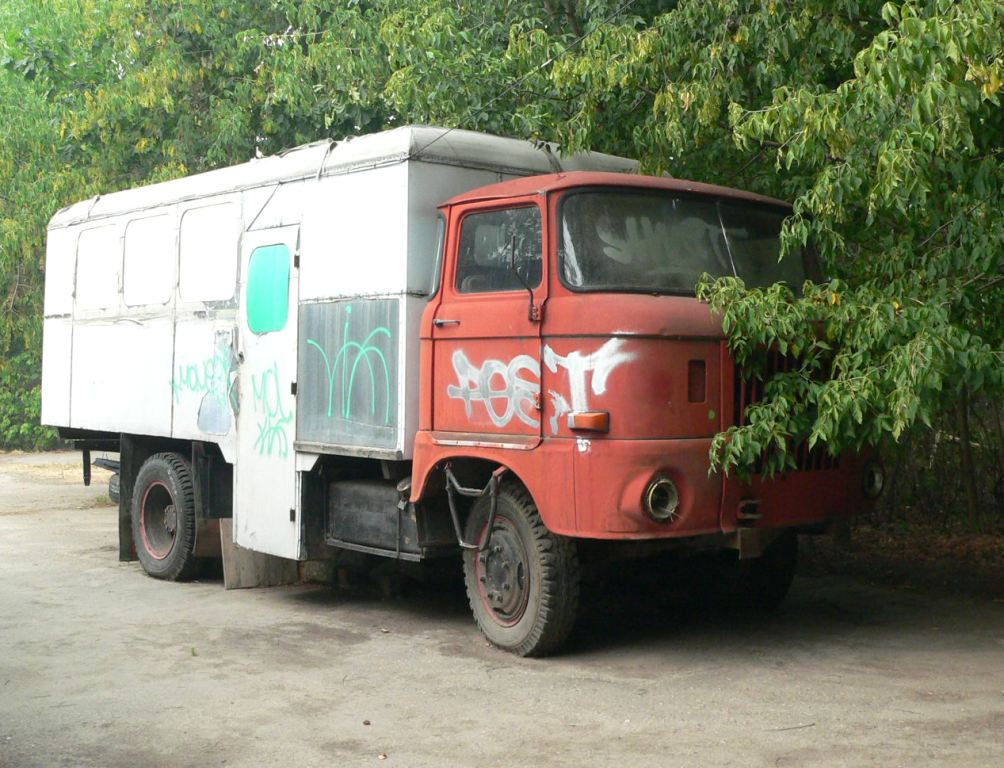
{"x": 268, "y": 289}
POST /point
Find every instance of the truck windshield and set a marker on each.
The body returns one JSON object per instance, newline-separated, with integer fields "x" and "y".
{"x": 640, "y": 240}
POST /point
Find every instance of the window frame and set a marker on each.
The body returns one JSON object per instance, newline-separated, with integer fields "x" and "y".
{"x": 497, "y": 207}
{"x": 247, "y": 286}
{"x": 174, "y": 250}
{"x": 115, "y": 297}
{"x": 237, "y": 220}
{"x": 808, "y": 256}
{"x": 439, "y": 261}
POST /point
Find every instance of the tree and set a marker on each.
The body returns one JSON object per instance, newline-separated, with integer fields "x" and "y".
{"x": 97, "y": 96}
{"x": 882, "y": 122}
{"x": 904, "y": 163}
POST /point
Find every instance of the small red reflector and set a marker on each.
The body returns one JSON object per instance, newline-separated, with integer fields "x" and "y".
{"x": 696, "y": 382}
{"x": 593, "y": 421}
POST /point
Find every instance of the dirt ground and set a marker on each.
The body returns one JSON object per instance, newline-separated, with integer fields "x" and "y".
{"x": 103, "y": 666}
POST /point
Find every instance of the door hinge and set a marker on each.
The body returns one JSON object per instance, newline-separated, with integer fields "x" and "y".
{"x": 296, "y": 260}
{"x": 292, "y": 388}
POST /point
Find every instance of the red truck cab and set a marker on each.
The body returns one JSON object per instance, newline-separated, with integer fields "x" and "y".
{"x": 571, "y": 379}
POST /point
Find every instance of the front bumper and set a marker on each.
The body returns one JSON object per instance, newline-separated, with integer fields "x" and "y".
{"x": 611, "y": 478}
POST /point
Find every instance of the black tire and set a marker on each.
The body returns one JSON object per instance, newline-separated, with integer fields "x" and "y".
{"x": 764, "y": 581}
{"x": 524, "y": 588}
{"x": 113, "y": 488}
{"x": 164, "y": 508}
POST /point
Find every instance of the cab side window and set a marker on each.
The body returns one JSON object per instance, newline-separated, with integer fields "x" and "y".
{"x": 500, "y": 251}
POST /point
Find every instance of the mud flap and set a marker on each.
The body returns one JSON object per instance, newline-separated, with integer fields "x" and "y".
{"x": 243, "y": 568}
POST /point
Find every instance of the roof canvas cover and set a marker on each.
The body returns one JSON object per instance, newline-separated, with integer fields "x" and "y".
{"x": 325, "y": 158}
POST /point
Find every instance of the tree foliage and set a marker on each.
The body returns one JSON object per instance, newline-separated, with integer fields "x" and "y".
{"x": 903, "y": 168}
{"x": 882, "y": 122}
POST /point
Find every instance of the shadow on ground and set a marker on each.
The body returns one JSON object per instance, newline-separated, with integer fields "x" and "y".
{"x": 638, "y": 607}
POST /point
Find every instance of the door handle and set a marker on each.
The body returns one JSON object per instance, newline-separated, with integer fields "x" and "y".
{"x": 439, "y": 322}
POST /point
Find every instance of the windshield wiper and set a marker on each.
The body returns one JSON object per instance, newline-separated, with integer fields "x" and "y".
{"x": 725, "y": 237}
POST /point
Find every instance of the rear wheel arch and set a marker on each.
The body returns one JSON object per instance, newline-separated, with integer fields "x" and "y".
{"x": 136, "y": 450}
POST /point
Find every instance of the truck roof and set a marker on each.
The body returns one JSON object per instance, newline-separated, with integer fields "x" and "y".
{"x": 444, "y": 146}
{"x": 554, "y": 182}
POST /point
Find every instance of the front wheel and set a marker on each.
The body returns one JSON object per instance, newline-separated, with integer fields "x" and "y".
{"x": 163, "y": 517}
{"x": 524, "y": 587}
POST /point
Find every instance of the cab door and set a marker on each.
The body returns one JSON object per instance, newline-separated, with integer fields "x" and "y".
{"x": 486, "y": 329}
{"x": 266, "y": 512}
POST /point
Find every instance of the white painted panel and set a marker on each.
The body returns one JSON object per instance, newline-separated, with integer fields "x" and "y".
{"x": 203, "y": 379}
{"x": 354, "y": 237}
{"x": 99, "y": 265}
{"x": 56, "y": 340}
{"x": 253, "y": 202}
{"x": 283, "y": 207}
{"x": 428, "y": 187}
{"x": 122, "y": 376}
{"x": 266, "y": 504}
{"x": 150, "y": 264}
{"x": 209, "y": 240}
{"x": 60, "y": 256}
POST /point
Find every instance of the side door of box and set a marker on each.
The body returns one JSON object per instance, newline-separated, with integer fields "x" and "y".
{"x": 266, "y": 511}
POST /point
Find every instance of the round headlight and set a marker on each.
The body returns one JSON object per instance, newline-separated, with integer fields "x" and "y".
{"x": 662, "y": 500}
{"x": 873, "y": 481}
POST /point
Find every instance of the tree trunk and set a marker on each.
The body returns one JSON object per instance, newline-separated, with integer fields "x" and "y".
{"x": 968, "y": 464}
{"x": 573, "y": 18}
{"x": 999, "y": 439}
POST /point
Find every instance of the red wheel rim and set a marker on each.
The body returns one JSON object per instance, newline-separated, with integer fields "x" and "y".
{"x": 158, "y": 520}
{"x": 502, "y": 572}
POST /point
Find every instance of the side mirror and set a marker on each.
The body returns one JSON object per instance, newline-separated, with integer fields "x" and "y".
{"x": 534, "y": 311}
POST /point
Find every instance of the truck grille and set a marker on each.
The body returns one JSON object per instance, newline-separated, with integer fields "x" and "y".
{"x": 748, "y": 390}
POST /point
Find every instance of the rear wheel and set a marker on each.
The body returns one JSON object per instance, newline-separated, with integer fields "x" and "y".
{"x": 113, "y": 488}
{"x": 764, "y": 581}
{"x": 163, "y": 517}
{"x": 524, "y": 588}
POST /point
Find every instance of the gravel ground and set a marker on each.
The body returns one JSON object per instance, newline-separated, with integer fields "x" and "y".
{"x": 103, "y": 666}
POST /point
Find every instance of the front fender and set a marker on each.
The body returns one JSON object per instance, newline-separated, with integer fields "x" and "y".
{"x": 545, "y": 468}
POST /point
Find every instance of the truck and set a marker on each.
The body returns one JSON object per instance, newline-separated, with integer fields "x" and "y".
{"x": 428, "y": 343}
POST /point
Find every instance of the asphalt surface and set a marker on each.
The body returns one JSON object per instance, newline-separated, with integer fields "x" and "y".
{"x": 102, "y": 666}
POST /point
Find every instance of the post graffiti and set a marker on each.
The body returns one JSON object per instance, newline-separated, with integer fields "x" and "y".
{"x": 600, "y": 363}
{"x": 508, "y": 390}
{"x": 272, "y": 417}
{"x": 514, "y": 392}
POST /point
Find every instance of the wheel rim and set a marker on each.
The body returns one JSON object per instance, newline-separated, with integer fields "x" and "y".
{"x": 503, "y": 574}
{"x": 158, "y": 521}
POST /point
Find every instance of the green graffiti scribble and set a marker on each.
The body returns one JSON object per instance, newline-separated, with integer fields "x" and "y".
{"x": 347, "y": 378}
{"x": 327, "y": 368}
{"x": 209, "y": 375}
{"x": 215, "y": 379}
{"x": 273, "y": 418}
